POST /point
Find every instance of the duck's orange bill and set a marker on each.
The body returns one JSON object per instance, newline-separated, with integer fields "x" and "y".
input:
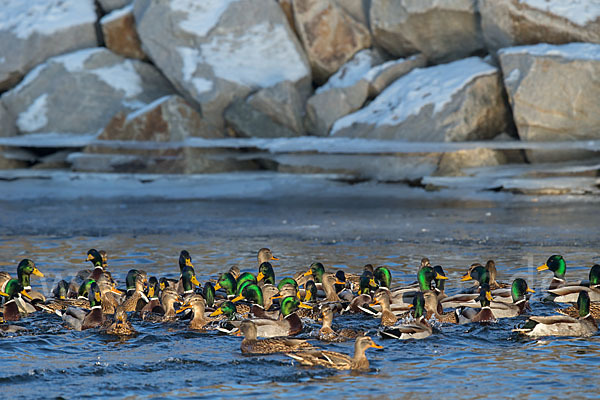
{"x": 338, "y": 282}
{"x": 194, "y": 280}
{"x": 240, "y": 297}
{"x": 376, "y": 346}
{"x": 466, "y": 277}
{"x": 188, "y": 263}
{"x": 307, "y": 273}
{"x": 218, "y": 286}
{"x": 542, "y": 267}
{"x": 24, "y": 293}
{"x": 89, "y": 257}
{"x": 37, "y": 272}
{"x": 274, "y": 258}
{"x": 279, "y": 296}
{"x": 117, "y": 291}
{"x": 530, "y": 290}
{"x": 260, "y": 276}
{"x": 183, "y": 308}
{"x": 302, "y": 305}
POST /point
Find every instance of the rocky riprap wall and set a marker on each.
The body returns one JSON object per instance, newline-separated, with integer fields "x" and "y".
{"x": 112, "y": 74}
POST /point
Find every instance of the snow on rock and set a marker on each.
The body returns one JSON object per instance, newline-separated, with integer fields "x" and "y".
{"x": 512, "y": 22}
{"x": 32, "y": 31}
{"x": 217, "y": 51}
{"x": 81, "y": 91}
{"x": 442, "y": 30}
{"x": 458, "y": 101}
{"x": 538, "y": 80}
{"x": 347, "y": 90}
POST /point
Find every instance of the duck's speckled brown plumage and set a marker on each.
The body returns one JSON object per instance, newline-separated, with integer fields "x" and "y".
{"x": 332, "y": 359}
{"x": 252, "y": 345}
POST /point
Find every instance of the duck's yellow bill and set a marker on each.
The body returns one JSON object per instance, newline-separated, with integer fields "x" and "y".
{"x": 542, "y": 267}
{"x": 372, "y": 282}
{"x": 279, "y": 296}
{"x": 3, "y": 294}
{"x": 297, "y": 295}
{"x": 24, "y": 293}
{"x": 218, "y": 286}
{"x": 530, "y": 290}
{"x": 302, "y": 305}
{"x": 188, "y": 263}
{"x": 308, "y": 296}
{"x": 260, "y": 276}
{"x": 466, "y": 277}
{"x": 194, "y": 280}
{"x": 307, "y": 273}
{"x": 274, "y": 258}
{"x": 488, "y": 295}
{"x": 240, "y": 297}
{"x": 89, "y": 257}
{"x": 373, "y": 304}
{"x": 183, "y": 308}
{"x": 218, "y": 311}
{"x": 37, "y": 272}
{"x": 162, "y": 286}
{"x": 410, "y": 306}
{"x": 440, "y": 276}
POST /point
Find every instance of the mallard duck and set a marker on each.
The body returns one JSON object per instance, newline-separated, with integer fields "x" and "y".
{"x": 328, "y": 282}
{"x": 234, "y": 270}
{"x": 419, "y": 329}
{"x": 137, "y": 300}
{"x": 332, "y": 359}
{"x": 228, "y": 283}
{"x": 484, "y": 315}
{"x": 287, "y": 281}
{"x": 570, "y": 293}
{"x": 198, "y": 305}
{"x": 121, "y": 326}
{"x": 573, "y": 311}
{"x": 266, "y": 275}
{"x": 79, "y": 319}
{"x": 555, "y": 263}
{"x": 439, "y": 283}
{"x": 24, "y": 271}
{"x": 14, "y": 291}
{"x": 382, "y": 297}
{"x": 245, "y": 278}
{"x": 208, "y": 292}
{"x": 383, "y": 277}
{"x": 8, "y": 328}
{"x": 315, "y": 272}
{"x": 253, "y": 294}
{"x": 308, "y": 297}
{"x": 252, "y": 345}
{"x": 519, "y": 290}
{"x": 289, "y": 323}
{"x": 168, "y": 298}
{"x": 563, "y": 325}
{"x": 153, "y": 304}
{"x": 265, "y": 255}
{"x": 100, "y": 263}
{"x": 327, "y": 334}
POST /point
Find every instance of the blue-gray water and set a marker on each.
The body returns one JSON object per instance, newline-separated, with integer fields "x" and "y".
{"x": 166, "y": 361}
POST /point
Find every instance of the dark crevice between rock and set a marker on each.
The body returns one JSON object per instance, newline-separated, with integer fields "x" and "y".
{"x": 99, "y": 14}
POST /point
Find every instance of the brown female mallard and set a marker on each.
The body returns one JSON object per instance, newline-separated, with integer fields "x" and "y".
{"x": 327, "y": 334}
{"x": 252, "y": 345}
{"x": 332, "y": 359}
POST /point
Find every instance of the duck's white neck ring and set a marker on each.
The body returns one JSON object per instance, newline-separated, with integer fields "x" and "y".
{"x": 188, "y": 291}
{"x": 27, "y": 288}
{"x": 520, "y": 301}
{"x": 96, "y": 308}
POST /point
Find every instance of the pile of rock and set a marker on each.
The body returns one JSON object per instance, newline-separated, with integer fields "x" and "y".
{"x": 163, "y": 72}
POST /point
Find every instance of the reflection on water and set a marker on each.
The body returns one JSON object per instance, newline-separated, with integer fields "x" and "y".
{"x": 168, "y": 361}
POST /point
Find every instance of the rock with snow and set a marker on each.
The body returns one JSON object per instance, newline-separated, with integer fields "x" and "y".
{"x": 458, "y": 101}
{"x": 80, "y": 92}
{"x": 381, "y": 76}
{"x": 120, "y": 35}
{"x": 217, "y": 51}
{"x": 111, "y": 5}
{"x": 514, "y": 22}
{"x": 32, "y": 31}
{"x": 167, "y": 119}
{"x": 442, "y": 30}
{"x": 329, "y": 34}
{"x": 554, "y": 91}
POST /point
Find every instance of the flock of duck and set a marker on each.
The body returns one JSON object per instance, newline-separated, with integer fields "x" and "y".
{"x": 256, "y": 306}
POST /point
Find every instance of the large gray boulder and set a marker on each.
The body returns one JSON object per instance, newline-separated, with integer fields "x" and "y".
{"x": 111, "y": 5}
{"x": 329, "y": 34}
{"x": 215, "y": 52}
{"x": 80, "y": 92}
{"x": 458, "y": 101}
{"x": 442, "y": 30}
{"x": 32, "y": 31}
{"x": 363, "y": 77}
{"x": 512, "y": 22}
{"x": 554, "y": 91}
{"x": 120, "y": 34}
{"x": 282, "y": 103}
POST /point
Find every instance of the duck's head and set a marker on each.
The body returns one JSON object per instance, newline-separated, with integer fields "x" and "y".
{"x": 266, "y": 273}
{"x": 227, "y": 282}
{"x": 104, "y": 257}
{"x": 248, "y": 329}
{"x": 341, "y": 277}
{"x": 381, "y": 297}
{"x": 265, "y": 255}
{"x": 490, "y": 266}
{"x": 253, "y": 293}
{"x": 234, "y": 270}
{"x": 287, "y": 281}
{"x": 290, "y": 304}
{"x": 244, "y": 279}
{"x": 153, "y": 288}
{"x": 185, "y": 260}
{"x": 485, "y": 295}
{"x": 188, "y": 279}
{"x": 317, "y": 270}
{"x": 14, "y": 289}
{"x": 440, "y": 284}
{"x": 363, "y": 343}
{"x": 368, "y": 268}
{"x": 84, "y": 288}
{"x": 519, "y": 290}
{"x": 366, "y": 283}
{"x": 310, "y": 292}
{"x": 555, "y": 263}
{"x": 419, "y": 305}
{"x": 24, "y": 270}
{"x": 169, "y": 297}
{"x": 228, "y": 308}
{"x": 130, "y": 279}
{"x": 285, "y": 291}
{"x": 94, "y": 295}
{"x": 61, "y": 290}
{"x": 425, "y": 276}
{"x": 478, "y": 273}
{"x": 163, "y": 283}
{"x": 195, "y": 302}
{"x": 595, "y": 276}
{"x": 94, "y": 257}
{"x": 583, "y": 304}
{"x": 383, "y": 276}
{"x": 208, "y": 292}
{"x": 424, "y": 263}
